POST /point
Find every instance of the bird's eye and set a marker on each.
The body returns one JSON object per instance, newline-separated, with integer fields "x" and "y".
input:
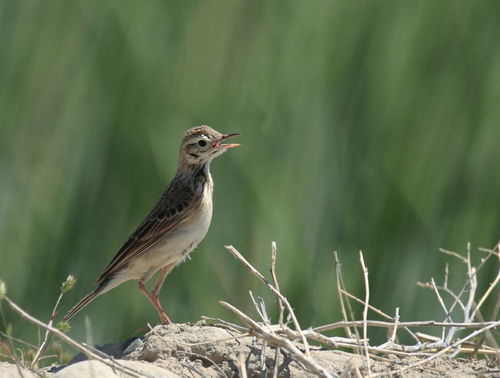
{"x": 202, "y": 143}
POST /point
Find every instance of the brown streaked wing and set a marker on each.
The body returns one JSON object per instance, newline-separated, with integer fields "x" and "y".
{"x": 167, "y": 214}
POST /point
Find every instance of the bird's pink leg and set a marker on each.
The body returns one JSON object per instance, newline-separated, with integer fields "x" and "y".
{"x": 155, "y": 302}
{"x": 153, "y": 295}
{"x": 161, "y": 278}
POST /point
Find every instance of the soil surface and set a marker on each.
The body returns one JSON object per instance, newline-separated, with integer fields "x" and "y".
{"x": 200, "y": 350}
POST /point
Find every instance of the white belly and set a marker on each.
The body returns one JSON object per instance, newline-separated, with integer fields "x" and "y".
{"x": 175, "y": 246}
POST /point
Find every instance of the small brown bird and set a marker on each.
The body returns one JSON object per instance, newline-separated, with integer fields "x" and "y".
{"x": 173, "y": 228}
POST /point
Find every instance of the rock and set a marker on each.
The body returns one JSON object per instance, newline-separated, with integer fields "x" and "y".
{"x": 115, "y": 350}
{"x": 212, "y": 351}
{"x": 200, "y": 350}
{"x": 186, "y": 349}
{"x": 8, "y": 370}
{"x": 181, "y": 340}
{"x": 133, "y": 346}
{"x": 95, "y": 368}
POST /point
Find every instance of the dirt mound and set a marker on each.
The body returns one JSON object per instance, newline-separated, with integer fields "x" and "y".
{"x": 215, "y": 350}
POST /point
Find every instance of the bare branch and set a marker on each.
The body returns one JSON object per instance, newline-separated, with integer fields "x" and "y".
{"x": 277, "y": 340}
{"x": 338, "y": 275}
{"x": 225, "y": 324}
{"x": 365, "y": 312}
{"x": 380, "y": 312}
{"x": 275, "y": 281}
{"x": 395, "y": 329}
{"x": 242, "y": 366}
{"x": 452, "y": 346}
{"x": 90, "y": 354}
{"x": 486, "y": 294}
{"x": 249, "y": 266}
{"x": 382, "y": 324}
{"x": 454, "y": 254}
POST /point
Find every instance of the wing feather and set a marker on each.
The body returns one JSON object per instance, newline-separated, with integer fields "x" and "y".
{"x": 169, "y": 212}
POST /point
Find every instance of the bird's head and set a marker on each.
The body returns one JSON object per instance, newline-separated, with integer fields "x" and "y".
{"x": 202, "y": 143}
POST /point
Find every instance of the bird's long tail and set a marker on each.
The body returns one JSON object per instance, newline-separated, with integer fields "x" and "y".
{"x": 82, "y": 303}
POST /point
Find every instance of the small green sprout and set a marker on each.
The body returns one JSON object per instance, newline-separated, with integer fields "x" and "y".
{"x": 64, "y": 327}
{"x": 68, "y": 284}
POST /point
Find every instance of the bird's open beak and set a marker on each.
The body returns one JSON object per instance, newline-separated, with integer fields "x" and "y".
{"x": 226, "y": 145}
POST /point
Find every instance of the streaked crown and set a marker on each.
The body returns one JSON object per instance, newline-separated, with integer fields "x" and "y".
{"x": 200, "y": 131}
{"x": 201, "y": 144}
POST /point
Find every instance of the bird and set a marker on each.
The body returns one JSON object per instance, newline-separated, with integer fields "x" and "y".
{"x": 176, "y": 224}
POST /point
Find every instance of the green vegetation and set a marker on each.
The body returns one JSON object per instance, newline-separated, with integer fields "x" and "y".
{"x": 365, "y": 125}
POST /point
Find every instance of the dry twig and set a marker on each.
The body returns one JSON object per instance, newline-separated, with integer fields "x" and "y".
{"x": 90, "y": 354}
{"x": 281, "y": 341}
{"x": 249, "y": 266}
{"x": 428, "y": 347}
{"x": 365, "y": 312}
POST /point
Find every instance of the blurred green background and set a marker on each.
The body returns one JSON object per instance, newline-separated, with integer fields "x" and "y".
{"x": 369, "y": 126}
